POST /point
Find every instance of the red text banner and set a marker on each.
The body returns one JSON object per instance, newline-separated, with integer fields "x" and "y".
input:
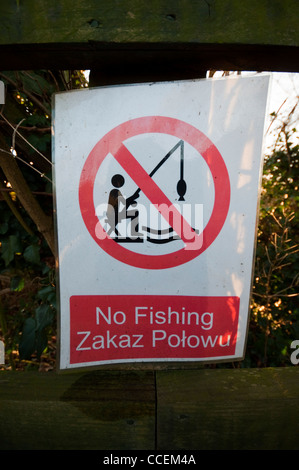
{"x": 126, "y": 328}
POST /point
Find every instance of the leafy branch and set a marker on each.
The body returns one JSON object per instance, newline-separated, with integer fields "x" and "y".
{"x": 27, "y": 246}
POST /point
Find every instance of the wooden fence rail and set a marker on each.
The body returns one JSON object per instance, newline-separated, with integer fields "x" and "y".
{"x": 180, "y": 37}
{"x": 205, "y": 409}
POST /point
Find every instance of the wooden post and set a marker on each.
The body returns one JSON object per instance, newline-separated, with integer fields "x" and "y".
{"x": 206, "y": 409}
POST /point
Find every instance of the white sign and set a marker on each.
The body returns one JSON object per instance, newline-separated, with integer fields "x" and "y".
{"x": 156, "y": 196}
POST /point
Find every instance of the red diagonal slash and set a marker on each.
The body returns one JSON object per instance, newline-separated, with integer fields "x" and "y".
{"x": 173, "y": 217}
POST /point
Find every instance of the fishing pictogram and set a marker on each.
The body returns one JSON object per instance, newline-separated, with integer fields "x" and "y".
{"x": 109, "y": 232}
{"x": 120, "y": 208}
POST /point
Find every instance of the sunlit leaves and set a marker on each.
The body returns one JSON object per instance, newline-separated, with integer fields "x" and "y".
{"x": 275, "y": 307}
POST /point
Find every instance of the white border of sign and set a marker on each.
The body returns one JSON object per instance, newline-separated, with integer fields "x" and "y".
{"x": 231, "y": 113}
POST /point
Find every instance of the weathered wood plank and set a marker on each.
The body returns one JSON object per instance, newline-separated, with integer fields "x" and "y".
{"x": 213, "y": 409}
{"x": 240, "y": 409}
{"x": 127, "y": 21}
{"x": 99, "y": 410}
{"x": 181, "y": 35}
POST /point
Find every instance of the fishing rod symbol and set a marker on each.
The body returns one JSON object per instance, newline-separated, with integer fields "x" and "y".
{"x": 118, "y": 206}
{"x": 181, "y": 185}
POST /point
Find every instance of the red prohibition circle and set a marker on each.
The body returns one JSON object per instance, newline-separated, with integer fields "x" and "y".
{"x": 111, "y": 143}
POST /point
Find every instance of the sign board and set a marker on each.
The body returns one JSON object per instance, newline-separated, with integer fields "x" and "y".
{"x": 156, "y": 204}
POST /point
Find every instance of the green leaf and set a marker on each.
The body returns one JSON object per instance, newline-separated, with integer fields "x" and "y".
{"x": 28, "y": 338}
{"x": 3, "y": 228}
{"x": 43, "y": 316}
{"x": 48, "y": 294}
{"x": 17, "y": 284}
{"x": 34, "y": 337}
{"x": 10, "y": 247}
{"x": 41, "y": 342}
{"x": 31, "y": 254}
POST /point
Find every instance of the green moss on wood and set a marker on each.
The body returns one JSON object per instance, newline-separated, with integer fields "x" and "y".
{"x": 178, "y": 21}
{"x": 212, "y": 409}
